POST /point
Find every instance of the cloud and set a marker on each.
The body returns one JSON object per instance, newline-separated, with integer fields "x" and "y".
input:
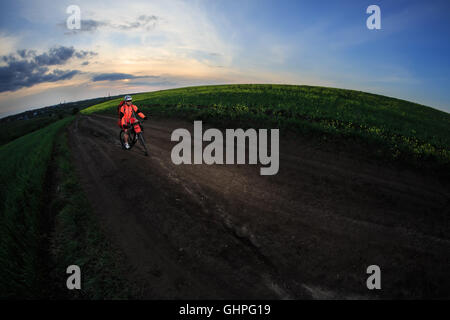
{"x": 117, "y": 76}
{"x": 60, "y": 55}
{"x": 9, "y": 43}
{"x": 144, "y": 22}
{"x": 91, "y": 25}
{"x": 26, "y": 68}
{"x": 86, "y": 25}
{"x": 154, "y": 84}
{"x": 24, "y": 74}
{"x": 55, "y": 56}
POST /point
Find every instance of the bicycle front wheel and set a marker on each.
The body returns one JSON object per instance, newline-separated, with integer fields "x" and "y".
{"x": 141, "y": 138}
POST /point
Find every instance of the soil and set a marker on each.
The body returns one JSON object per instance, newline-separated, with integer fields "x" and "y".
{"x": 226, "y": 232}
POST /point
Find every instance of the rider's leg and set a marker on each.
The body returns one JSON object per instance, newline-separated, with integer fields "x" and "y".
{"x": 125, "y": 138}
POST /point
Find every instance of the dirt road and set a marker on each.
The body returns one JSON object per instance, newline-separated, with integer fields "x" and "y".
{"x": 225, "y": 231}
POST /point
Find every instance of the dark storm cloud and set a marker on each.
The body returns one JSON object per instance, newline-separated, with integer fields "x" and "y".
{"x": 26, "y": 68}
{"x": 26, "y": 53}
{"x": 117, "y": 76}
{"x": 82, "y": 54}
{"x": 55, "y": 56}
{"x": 22, "y": 74}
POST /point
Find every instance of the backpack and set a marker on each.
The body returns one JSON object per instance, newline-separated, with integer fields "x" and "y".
{"x": 118, "y": 112}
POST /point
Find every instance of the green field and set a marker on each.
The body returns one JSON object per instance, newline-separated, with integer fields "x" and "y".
{"x": 15, "y": 129}
{"x": 77, "y": 239}
{"x": 46, "y": 223}
{"x": 23, "y": 201}
{"x": 394, "y": 129}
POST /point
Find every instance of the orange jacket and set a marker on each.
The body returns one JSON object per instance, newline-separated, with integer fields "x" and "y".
{"x": 126, "y": 113}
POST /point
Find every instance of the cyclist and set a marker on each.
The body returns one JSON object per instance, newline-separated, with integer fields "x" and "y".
{"x": 127, "y": 116}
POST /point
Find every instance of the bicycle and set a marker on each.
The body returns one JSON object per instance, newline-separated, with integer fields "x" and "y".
{"x": 133, "y": 136}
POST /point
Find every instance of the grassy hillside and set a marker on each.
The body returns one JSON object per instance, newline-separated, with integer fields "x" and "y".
{"x": 46, "y": 224}
{"x": 15, "y": 129}
{"x": 77, "y": 238}
{"x": 395, "y": 129}
{"x": 22, "y": 199}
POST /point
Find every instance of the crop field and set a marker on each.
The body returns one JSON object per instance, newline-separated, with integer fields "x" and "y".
{"x": 18, "y": 128}
{"x": 395, "y": 129}
{"x": 24, "y": 167}
{"x": 46, "y": 223}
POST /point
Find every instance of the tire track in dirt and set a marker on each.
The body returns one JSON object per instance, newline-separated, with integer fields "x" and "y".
{"x": 224, "y": 231}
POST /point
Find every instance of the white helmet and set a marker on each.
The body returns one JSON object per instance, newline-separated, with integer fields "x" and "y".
{"x": 127, "y": 98}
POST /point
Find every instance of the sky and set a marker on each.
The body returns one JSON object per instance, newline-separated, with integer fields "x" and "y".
{"x": 137, "y": 46}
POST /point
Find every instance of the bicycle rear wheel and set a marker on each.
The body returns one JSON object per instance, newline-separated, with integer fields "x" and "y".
{"x": 131, "y": 138}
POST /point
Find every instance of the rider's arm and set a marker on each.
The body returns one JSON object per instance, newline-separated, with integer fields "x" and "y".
{"x": 140, "y": 114}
